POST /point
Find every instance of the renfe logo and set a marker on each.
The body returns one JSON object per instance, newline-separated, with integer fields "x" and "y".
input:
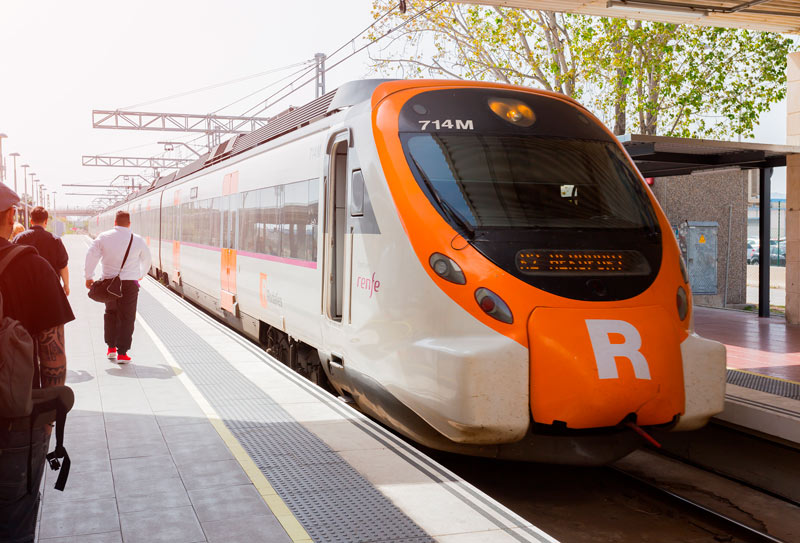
{"x": 368, "y": 283}
{"x": 605, "y": 352}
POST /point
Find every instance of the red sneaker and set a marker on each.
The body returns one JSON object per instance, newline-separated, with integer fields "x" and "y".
{"x": 112, "y": 353}
{"x": 123, "y": 359}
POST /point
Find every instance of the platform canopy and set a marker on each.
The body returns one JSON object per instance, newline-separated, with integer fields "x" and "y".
{"x": 766, "y": 15}
{"x": 660, "y": 156}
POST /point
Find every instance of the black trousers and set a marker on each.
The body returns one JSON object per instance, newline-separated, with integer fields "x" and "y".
{"x": 120, "y": 316}
{"x": 18, "y": 507}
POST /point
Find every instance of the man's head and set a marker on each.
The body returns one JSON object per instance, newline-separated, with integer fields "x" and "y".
{"x": 123, "y": 218}
{"x": 39, "y": 216}
{"x": 8, "y": 202}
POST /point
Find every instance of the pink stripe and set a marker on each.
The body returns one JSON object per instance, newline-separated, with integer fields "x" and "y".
{"x": 282, "y": 260}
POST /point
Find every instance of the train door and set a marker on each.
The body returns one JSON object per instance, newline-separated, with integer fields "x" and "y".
{"x": 335, "y": 229}
{"x": 230, "y": 227}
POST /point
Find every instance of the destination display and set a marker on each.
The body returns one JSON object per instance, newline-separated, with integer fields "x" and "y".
{"x": 548, "y": 261}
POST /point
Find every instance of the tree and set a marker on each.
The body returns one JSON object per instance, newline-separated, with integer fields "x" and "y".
{"x": 644, "y": 77}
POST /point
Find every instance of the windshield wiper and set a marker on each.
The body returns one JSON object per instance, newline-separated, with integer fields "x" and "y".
{"x": 448, "y": 210}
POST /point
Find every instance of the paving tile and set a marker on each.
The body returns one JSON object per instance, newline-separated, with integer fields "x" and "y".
{"x": 108, "y": 537}
{"x": 179, "y": 525}
{"x": 70, "y": 518}
{"x": 199, "y": 434}
{"x": 144, "y": 487}
{"x": 246, "y": 530}
{"x": 228, "y": 502}
{"x": 188, "y": 453}
{"x": 209, "y": 474}
{"x": 174, "y": 496}
{"x": 80, "y": 486}
{"x": 179, "y": 417}
{"x": 132, "y": 470}
{"x": 149, "y": 448}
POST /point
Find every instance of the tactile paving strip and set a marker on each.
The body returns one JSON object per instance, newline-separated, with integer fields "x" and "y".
{"x": 328, "y": 497}
{"x": 764, "y": 384}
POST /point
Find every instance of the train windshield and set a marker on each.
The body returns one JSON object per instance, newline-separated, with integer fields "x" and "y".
{"x": 514, "y": 181}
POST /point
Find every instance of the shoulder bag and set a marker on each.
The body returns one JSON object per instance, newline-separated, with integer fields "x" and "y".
{"x": 108, "y": 290}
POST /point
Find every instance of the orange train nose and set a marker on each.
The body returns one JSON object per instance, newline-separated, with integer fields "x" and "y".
{"x": 591, "y": 368}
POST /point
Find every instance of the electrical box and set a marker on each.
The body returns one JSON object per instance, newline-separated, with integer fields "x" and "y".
{"x": 698, "y": 242}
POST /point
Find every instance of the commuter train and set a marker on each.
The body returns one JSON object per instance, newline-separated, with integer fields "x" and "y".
{"x": 479, "y": 266}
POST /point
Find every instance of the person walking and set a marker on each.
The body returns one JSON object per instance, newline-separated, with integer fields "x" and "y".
{"x": 50, "y": 247}
{"x": 110, "y": 247}
{"x": 32, "y": 295}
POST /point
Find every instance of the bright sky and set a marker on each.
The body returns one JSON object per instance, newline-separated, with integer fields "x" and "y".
{"x": 59, "y": 60}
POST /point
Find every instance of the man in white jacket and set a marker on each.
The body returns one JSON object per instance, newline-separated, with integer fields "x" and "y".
{"x": 110, "y": 248}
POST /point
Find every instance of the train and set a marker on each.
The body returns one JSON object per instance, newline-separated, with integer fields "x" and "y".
{"x": 479, "y": 266}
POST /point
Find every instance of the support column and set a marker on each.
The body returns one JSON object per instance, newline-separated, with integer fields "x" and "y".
{"x": 793, "y": 191}
{"x": 764, "y": 190}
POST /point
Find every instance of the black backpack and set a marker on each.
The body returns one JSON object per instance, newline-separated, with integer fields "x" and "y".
{"x": 23, "y": 407}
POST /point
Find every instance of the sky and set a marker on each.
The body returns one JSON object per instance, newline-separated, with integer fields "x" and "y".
{"x": 59, "y": 60}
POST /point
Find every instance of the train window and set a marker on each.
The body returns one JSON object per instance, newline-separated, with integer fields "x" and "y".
{"x": 215, "y": 221}
{"x": 511, "y": 181}
{"x": 271, "y": 204}
{"x": 249, "y": 221}
{"x": 313, "y": 218}
{"x": 295, "y": 215}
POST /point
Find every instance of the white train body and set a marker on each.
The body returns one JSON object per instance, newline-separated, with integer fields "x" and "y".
{"x": 316, "y": 262}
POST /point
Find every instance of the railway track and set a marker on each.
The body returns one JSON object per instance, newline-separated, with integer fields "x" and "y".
{"x": 737, "y": 531}
{"x": 643, "y": 498}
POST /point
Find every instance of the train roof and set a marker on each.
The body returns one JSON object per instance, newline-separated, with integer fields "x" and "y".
{"x": 348, "y": 95}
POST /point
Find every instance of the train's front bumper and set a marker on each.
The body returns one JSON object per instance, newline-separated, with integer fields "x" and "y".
{"x": 595, "y": 368}
{"x": 704, "y": 363}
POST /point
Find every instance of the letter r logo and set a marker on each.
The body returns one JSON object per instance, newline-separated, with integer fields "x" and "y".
{"x": 605, "y": 352}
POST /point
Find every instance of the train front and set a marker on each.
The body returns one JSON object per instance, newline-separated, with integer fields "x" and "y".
{"x": 526, "y": 211}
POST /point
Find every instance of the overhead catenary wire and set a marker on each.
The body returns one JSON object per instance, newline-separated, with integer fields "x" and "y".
{"x": 355, "y": 52}
{"x": 217, "y": 85}
{"x": 268, "y": 86}
{"x": 313, "y": 68}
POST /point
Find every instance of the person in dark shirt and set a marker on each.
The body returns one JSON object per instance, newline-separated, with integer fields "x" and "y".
{"x": 50, "y": 247}
{"x": 33, "y": 296}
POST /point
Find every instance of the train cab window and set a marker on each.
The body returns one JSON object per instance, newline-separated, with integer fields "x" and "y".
{"x": 510, "y": 181}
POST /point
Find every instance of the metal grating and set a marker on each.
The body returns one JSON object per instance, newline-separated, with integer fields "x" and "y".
{"x": 776, "y": 387}
{"x": 328, "y": 497}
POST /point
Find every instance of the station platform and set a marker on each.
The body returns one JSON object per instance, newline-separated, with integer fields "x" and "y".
{"x": 763, "y": 390}
{"x": 204, "y": 437}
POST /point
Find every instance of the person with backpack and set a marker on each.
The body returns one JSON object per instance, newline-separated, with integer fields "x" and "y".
{"x": 34, "y": 311}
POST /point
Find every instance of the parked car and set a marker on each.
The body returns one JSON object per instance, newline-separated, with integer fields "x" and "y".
{"x": 752, "y": 248}
{"x": 777, "y": 256}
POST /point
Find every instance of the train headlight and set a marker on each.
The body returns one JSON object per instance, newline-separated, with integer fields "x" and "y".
{"x": 493, "y": 305}
{"x": 513, "y": 111}
{"x": 683, "y": 303}
{"x": 447, "y": 269}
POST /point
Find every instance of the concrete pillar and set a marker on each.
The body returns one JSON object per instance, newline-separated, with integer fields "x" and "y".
{"x": 792, "y": 191}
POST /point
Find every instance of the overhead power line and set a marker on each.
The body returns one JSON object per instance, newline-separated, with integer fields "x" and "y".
{"x": 216, "y": 85}
{"x": 355, "y": 52}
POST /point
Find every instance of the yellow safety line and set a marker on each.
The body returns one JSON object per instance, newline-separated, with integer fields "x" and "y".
{"x": 284, "y": 515}
{"x": 767, "y": 376}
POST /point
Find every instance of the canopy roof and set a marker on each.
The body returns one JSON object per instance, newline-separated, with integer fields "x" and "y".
{"x": 659, "y": 156}
{"x": 767, "y": 15}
